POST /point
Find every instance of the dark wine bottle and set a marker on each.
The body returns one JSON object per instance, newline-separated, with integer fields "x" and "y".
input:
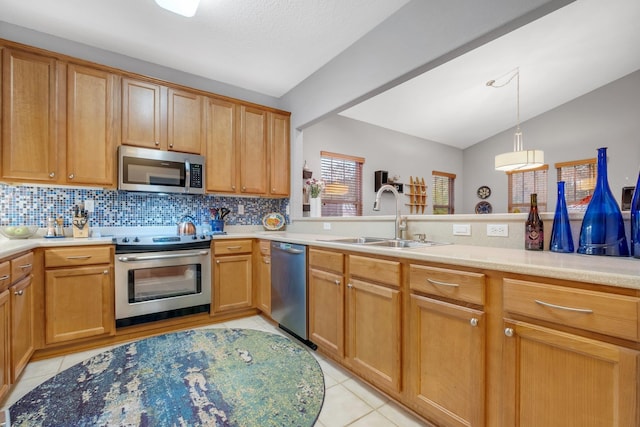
{"x": 533, "y": 229}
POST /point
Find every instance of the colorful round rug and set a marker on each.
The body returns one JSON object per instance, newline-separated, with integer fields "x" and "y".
{"x": 205, "y": 377}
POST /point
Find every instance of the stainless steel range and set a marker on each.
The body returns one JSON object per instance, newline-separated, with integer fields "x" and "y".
{"x": 161, "y": 277}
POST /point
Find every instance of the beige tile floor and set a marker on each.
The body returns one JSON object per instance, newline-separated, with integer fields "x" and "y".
{"x": 348, "y": 400}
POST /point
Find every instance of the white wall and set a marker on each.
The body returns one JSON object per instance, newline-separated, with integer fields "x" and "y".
{"x": 607, "y": 117}
{"x": 382, "y": 149}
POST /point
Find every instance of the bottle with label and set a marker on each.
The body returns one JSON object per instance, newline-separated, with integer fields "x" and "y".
{"x": 533, "y": 229}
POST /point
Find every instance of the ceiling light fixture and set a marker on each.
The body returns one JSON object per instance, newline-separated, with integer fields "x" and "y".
{"x": 181, "y": 7}
{"x": 519, "y": 158}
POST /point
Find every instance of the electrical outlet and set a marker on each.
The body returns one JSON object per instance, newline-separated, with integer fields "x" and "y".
{"x": 240, "y": 209}
{"x": 326, "y": 225}
{"x": 89, "y": 206}
{"x": 498, "y": 230}
{"x": 462, "y": 229}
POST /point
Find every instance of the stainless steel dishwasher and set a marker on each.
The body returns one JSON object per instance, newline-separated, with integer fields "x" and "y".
{"x": 289, "y": 289}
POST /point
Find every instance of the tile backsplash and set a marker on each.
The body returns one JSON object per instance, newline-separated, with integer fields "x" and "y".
{"x": 32, "y": 205}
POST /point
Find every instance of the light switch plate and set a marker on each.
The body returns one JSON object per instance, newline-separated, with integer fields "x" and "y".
{"x": 240, "y": 209}
{"x": 89, "y": 206}
{"x": 462, "y": 229}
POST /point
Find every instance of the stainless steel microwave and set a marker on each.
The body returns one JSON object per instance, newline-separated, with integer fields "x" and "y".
{"x": 143, "y": 169}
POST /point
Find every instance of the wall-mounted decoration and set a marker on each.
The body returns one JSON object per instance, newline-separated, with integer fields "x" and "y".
{"x": 484, "y": 192}
{"x": 484, "y": 208}
{"x": 417, "y": 195}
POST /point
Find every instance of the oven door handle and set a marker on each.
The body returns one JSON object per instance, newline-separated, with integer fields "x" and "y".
{"x": 153, "y": 257}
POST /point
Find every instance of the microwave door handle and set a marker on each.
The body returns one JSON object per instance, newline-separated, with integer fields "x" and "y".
{"x": 187, "y": 176}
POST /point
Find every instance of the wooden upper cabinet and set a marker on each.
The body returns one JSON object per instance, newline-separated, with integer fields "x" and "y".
{"x": 185, "y": 121}
{"x": 91, "y": 134}
{"x": 141, "y": 115}
{"x": 221, "y": 148}
{"x": 30, "y": 144}
{"x": 279, "y": 154}
{"x": 253, "y": 150}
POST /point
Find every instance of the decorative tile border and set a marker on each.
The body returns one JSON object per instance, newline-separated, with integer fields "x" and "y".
{"x": 32, "y": 205}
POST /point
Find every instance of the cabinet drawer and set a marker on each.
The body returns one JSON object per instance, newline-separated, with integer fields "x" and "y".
{"x": 81, "y": 255}
{"x": 459, "y": 285}
{"x": 377, "y": 270}
{"x": 326, "y": 260}
{"x": 610, "y": 314}
{"x": 5, "y": 275}
{"x": 232, "y": 247}
{"x": 21, "y": 266}
{"x": 265, "y": 247}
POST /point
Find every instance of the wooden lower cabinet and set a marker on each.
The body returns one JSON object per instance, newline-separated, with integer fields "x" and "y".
{"x": 326, "y": 311}
{"x": 5, "y": 358}
{"x": 232, "y": 276}
{"x": 22, "y": 332}
{"x": 448, "y": 353}
{"x": 78, "y": 303}
{"x": 264, "y": 277}
{"x": 558, "y": 379}
{"x": 374, "y": 321}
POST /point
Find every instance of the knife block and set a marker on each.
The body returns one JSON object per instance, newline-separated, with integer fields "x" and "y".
{"x": 80, "y": 231}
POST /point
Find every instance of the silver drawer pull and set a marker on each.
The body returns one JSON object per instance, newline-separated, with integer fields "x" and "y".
{"x": 439, "y": 283}
{"x": 25, "y": 266}
{"x": 233, "y": 248}
{"x": 5, "y": 277}
{"x": 562, "y": 307}
{"x": 20, "y": 292}
{"x": 79, "y": 257}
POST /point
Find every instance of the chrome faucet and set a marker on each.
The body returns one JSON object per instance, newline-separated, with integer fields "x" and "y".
{"x": 400, "y": 225}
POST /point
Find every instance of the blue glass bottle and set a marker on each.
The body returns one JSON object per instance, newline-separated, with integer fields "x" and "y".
{"x": 602, "y": 231}
{"x": 635, "y": 221}
{"x": 561, "y": 238}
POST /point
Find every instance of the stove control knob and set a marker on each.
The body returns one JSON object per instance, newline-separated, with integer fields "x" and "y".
{"x": 195, "y": 237}
{"x": 135, "y": 239}
{"x": 125, "y": 240}
{"x": 203, "y": 237}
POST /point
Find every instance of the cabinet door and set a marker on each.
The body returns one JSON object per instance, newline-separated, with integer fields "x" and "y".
{"x": 5, "y": 349}
{"x": 141, "y": 115}
{"x": 232, "y": 283}
{"x": 253, "y": 151}
{"x": 91, "y": 137}
{"x": 21, "y": 326}
{"x": 554, "y": 378}
{"x": 184, "y": 121}
{"x": 374, "y": 334}
{"x": 326, "y": 311}
{"x": 221, "y": 148}
{"x": 279, "y": 161}
{"x": 30, "y": 145}
{"x": 78, "y": 303}
{"x": 447, "y": 353}
{"x": 264, "y": 292}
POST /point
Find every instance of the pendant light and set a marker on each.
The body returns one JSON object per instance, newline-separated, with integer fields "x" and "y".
{"x": 519, "y": 158}
{"x": 181, "y": 7}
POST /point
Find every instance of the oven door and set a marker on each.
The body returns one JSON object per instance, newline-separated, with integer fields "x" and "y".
{"x": 161, "y": 284}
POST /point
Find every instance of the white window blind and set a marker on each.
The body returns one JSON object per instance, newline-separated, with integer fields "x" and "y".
{"x": 443, "y": 184}
{"x": 522, "y": 184}
{"x": 342, "y": 174}
{"x": 580, "y": 180}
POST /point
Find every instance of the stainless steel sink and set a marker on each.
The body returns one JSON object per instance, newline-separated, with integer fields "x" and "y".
{"x": 383, "y": 242}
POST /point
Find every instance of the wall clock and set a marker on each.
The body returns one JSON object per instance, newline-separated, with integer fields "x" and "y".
{"x": 484, "y": 192}
{"x": 484, "y": 208}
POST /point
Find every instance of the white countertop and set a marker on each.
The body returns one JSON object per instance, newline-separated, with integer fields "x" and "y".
{"x": 614, "y": 271}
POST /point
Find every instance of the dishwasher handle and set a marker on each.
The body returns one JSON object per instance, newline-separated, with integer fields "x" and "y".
{"x": 287, "y": 247}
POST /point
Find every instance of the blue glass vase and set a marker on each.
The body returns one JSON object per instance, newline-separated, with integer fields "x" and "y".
{"x": 635, "y": 221}
{"x": 561, "y": 238}
{"x": 602, "y": 231}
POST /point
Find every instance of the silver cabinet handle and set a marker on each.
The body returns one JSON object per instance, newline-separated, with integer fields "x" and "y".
{"x": 105, "y": 272}
{"x": 157, "y": 142}
{"x": 217, "y": 261}
{"x": 349, "y": 286}
{"x": 273, "y": 190}
{"x": 71, "y": 176}
{"x": 508, "y": 332}
{"x": 171, "y": 145}
{"x": 5, "y": 277}
{"x": 234, "y": 248}
{"x": 337, "y": 282}
{"x": 20, "y": 292}
{"x": 266, "y": 261}
{"x": 25, "y": 266}
{"x": 439, "y": 283}
{"x": 473, "y": 322}
{"x": 562, "y": 307}
{"x": 52, "y": 174}
{"x": 233, "y": 187}
{"x": 79, "y": 257}
{"x": 244, "y": 188}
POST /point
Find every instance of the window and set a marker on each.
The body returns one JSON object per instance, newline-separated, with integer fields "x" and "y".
{"x": 443, "y": 192}
{"x": 342, "y": 174}
{"x": 522, "y": 184}
{"x": 580, "y": 180}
